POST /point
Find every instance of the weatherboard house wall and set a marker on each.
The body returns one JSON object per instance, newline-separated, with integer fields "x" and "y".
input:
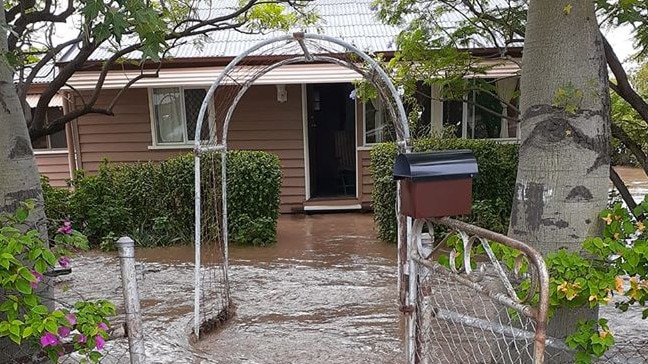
{"x": 259, "y": 123}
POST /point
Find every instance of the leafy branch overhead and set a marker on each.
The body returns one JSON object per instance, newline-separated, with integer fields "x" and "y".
{"x": 136, "y": 31}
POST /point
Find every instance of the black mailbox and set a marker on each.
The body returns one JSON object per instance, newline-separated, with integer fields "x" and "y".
{"x": 436, "y": 184}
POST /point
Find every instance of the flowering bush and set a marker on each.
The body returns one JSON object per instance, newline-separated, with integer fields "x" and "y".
{"x": 613, "y": 270}
{"x": 24, "y": 261}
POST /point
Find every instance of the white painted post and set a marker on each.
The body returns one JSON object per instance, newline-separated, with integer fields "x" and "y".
{"x": 126, "y": 249}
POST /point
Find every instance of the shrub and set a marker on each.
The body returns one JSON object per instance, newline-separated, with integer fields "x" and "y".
{"x": 56, "y": 204}
{"x": 25, "y": 318}
{"x": 97, "y": 204}
{"x": 492, "y": 189}
{"x": 253, "y": 191}
{"x": 154, "y": 202}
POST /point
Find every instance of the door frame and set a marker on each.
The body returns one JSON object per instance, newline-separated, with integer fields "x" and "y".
{"x": 307, "y": 166}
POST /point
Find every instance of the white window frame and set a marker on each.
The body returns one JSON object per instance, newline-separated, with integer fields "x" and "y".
{"x": 468, "y": 112}
{"x": 48, "y": 138}
{"x": 364, "y": 121}
{"x": 186, "y": 142}
{"x": 382, "y": 109}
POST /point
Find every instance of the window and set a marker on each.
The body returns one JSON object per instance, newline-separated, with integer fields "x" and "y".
{"x": 57, "y": 140}
{"x": 378, "y": 126}
{"x": 175, "y": 114}
{"x": 484, "y": 116}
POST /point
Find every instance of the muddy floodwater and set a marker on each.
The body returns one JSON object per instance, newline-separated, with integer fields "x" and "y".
{"x": 325, "y": 293}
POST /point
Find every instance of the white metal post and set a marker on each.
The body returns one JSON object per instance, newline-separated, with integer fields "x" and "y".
{"x": 197, "y": 245}
{"x": 126, "y": 249}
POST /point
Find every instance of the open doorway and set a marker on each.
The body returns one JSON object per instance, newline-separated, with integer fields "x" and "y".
{"x": 331, "y": 140}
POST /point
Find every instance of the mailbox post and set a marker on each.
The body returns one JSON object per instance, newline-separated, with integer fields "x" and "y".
{"x": 436, "y": 184}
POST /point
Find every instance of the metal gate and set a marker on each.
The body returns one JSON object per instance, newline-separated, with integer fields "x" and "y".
{"x": 472, "y": 296}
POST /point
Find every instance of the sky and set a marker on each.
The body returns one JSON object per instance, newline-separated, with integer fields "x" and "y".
{"x": 621, "y": 40}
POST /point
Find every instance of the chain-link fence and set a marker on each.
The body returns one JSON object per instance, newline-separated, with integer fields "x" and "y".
{"x": 465, "y": 307}
{"x": 463, "y": 304}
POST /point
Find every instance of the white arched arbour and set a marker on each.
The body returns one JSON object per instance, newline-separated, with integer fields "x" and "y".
{"x": 395, "y": 109}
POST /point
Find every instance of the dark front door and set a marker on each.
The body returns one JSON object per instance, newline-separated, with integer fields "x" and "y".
{"x": 331, "y": 140}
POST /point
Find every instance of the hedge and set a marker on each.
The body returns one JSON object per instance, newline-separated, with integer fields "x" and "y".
{"x": 153, "y": 202}
{"x": 492, "y": 189}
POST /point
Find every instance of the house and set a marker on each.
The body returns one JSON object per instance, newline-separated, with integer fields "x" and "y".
{"x": 54, "y": 154}
{"x": 304, "y": 113}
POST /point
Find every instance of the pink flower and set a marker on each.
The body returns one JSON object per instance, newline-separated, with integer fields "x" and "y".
{"x": 64, "y": 262}
{"x": 102, "y": 326}
{"x": 81, "y": 339}
{"x": 64, "y": 331}
{"x": 48, "y": 339}
{"x": 39, "y": 278}
{"x": 100, "y": 342}
{"x": 66, "y": 228}
{"x": 71, "y": 318}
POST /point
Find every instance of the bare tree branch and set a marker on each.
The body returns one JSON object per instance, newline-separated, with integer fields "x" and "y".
{"x": 625, "y": 193}
{"x": 623, "y": 87}
{"x": 633, "y": 146}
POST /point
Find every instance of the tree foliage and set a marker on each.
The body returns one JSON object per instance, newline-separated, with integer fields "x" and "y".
{"x": 135, "y": 31}
{"x": 437, "y": 31}
{"x": 25, "y": 319}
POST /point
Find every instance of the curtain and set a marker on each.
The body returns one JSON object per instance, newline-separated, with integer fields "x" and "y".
{"x": 167, "y": 103}
{"x": 505, "y": 90}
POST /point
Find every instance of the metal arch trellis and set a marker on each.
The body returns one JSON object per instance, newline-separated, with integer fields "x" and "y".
{"x": 387, "y": 92}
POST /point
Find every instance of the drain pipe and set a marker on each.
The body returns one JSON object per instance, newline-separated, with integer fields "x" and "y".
{"x": 126, "y": 249}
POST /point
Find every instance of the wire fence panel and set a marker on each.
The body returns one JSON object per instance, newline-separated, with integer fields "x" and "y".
{"x": 458, "y": 325}
{"x": 463, "y": 303}
{"x": 631, "y": 343}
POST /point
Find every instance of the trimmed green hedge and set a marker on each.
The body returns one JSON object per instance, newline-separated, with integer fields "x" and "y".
{"x": 154, "y": 202}
{"x": 492, "y": 189}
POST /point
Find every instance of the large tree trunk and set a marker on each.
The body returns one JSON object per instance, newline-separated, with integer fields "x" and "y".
{"x": 19, "y": 179}
{"x": 563, "y": 173}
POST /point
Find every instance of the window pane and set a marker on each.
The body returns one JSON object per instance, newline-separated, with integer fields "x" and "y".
{"x": 40, "y": 143}
{"x": 487, "y": 119}
{"x": 421, "y": 125}
{"x": 378, "y": 125}
{"x": 193, "y": 101}
{"x": 167, "y": 107}
{"x": 57, "y": 140}
{"x": 453, "y": 116}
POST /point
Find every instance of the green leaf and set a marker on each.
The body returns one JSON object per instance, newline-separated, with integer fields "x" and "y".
{"x": 40, "y": 266}
{"x": 15, "y": 338}
{"x": 21, "y": 215}
{"x": 40, "y": 310}
{"x": 14, "y": 329}
{"x": 25, "y": 273}
{"x": 23, "y": 286}
{"x": 51, "y": 326}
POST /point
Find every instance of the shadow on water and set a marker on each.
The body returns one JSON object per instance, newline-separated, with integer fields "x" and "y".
{"x": 325, "y": 293}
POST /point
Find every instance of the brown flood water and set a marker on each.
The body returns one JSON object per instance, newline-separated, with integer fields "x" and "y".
{"x": 325, "y": 293}
{"x": 635, "y": 179}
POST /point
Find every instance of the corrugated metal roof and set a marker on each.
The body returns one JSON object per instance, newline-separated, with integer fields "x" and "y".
{"x": 352, "y": 21}
{"x": 45, "y": 74}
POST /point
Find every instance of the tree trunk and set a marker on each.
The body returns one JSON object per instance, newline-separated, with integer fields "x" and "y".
{"x": 19, "y": 179}
{"x": 563, "y": 172}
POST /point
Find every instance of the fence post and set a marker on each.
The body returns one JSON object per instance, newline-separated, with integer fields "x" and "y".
{"x": 126, "y": 249}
